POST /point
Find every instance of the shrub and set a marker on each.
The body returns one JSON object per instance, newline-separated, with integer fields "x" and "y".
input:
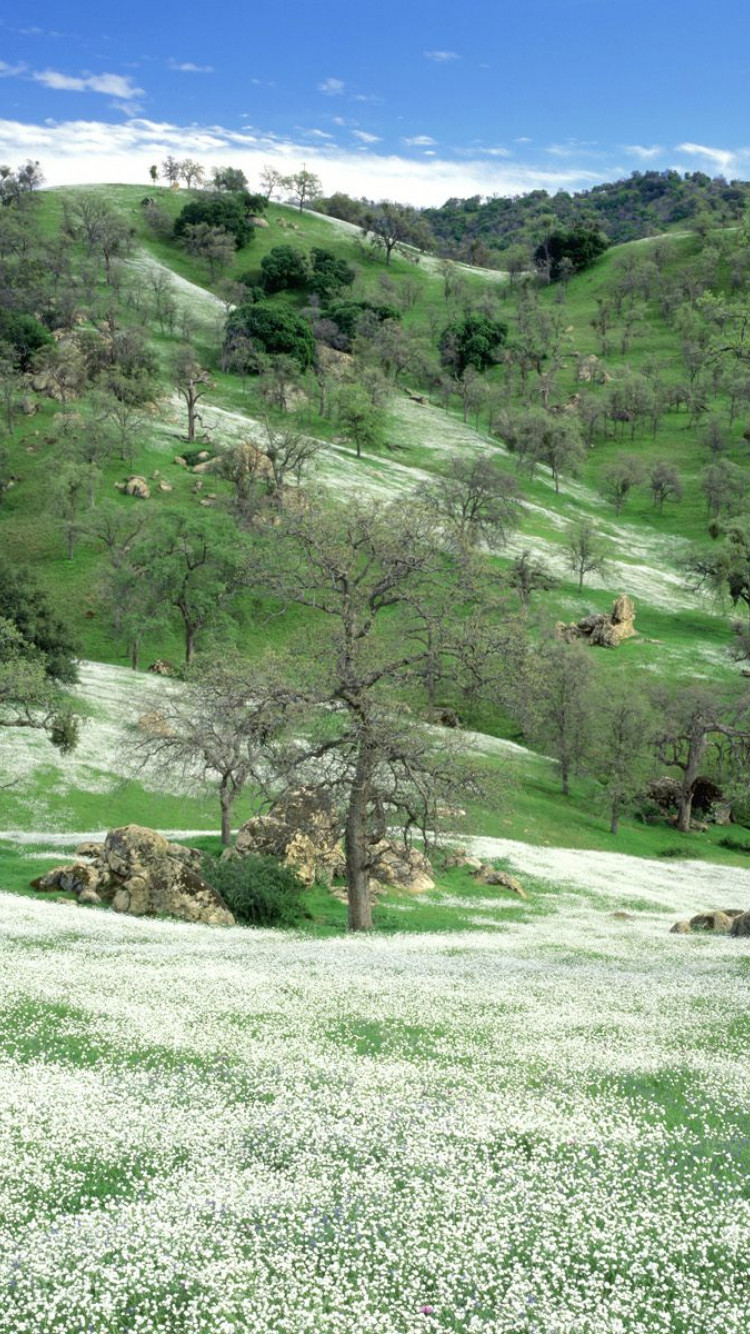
{"x": 474, "y": 341}
{"x": 284, "y": 269}
{"x": 260, "y": 891}
{"x": 275, "y": 330}
{"x": 23, "y": 335}
{"x": 230, "y": 211}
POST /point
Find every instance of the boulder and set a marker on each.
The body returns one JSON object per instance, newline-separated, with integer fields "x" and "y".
{"x": 257, "y": 222}
{"x": 680, "y": 929}
{"x": 180, "y": 461}
{"x": 88, "y": 896}
{"x": 458, "y": 857}
{"x": 162, "y": 668}
{"x": 138, "y": 487}
{"x": 717, "y": 922}
{"x": 741, "y": 925}
{"x": 137, "y": 871}
{"x": 394, "y": 863}
{"x": 603, "y": 630}
{"x": 490, "y": 875}
{"x": 302, "y": 829}
{"x": 90, "y": 849}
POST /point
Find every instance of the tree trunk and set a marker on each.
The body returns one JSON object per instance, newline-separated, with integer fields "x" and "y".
{"x": 225, "y": 799}
{"x": 614, "y": 823}
{"x": 356, "y": 845}
{"x": 685, "y": 809}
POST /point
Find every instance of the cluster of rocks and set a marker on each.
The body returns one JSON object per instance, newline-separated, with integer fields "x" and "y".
{"x": 606, "y": 631}
{"x": 484, "y": 873}
{"x": 721, "y": 922}
{"x": 303, "y": 830}
{"x": 136, "y": 870}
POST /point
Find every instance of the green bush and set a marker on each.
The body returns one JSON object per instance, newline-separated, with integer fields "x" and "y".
{"x": 259, "y": 890}
{"x": 274, "y": 330}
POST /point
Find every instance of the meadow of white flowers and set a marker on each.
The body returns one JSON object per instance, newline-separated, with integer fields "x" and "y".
{"x": 536, "y": 1129}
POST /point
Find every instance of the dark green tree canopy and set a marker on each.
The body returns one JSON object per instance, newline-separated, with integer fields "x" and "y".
{"x": 474, "y": 341}
{"x": 273, "y": 330}
{"x": 23, "y": 335}
{"x": 42, "y": 631}
{"x": 232, "y": 211}
{"x": 345, "y": 314}
{"x": 284, "y": 269}
{"x": 580, "y": 246}
{"x": 329, "y": 274}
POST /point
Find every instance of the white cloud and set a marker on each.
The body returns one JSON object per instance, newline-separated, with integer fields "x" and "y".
{"x": 332, "y": 87}
{"x": 365, "y": 138}
{"x": 722, "y": 158}
{"x": 112, "y": 85}
{"x": 187, "y": 67}
{"x": 419, "y": 141}
{"x": 440, "y": 57}
{"x": 89, "y": 151}
{"x": 11, "y": 71}
{"x": 643, "y": 153}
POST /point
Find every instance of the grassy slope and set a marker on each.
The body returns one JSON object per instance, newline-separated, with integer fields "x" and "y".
{"x": 677, "y": 640}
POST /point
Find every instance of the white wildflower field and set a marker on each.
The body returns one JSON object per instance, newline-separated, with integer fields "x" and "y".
{"x": 542, "y": 1125}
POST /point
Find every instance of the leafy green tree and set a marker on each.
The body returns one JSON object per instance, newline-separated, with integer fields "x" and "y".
{"x": 725, "y": 570}
{"x": 580, "y": 245}
{"x": 24, "y": 604}
{"x": 28, "y": 698}
{"x": 359, "y": 418}
{"x": 475, "y": 340}
{"x": 328, "y": 274}
{"x": 231, "y": 179}
{"x": 272, "y": 329}
{"x": 219, "y": 209}
{"x": 21, "y": 337}
{"x": 284, "y": 269}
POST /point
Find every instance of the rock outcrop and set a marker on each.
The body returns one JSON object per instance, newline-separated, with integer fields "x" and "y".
{"x": 138, "y": 487}
{"x": 400, "y": 867}
{"x": 302, "y": 830}
{"x": 138, "y": 871}
{"x": 606, "y": 631}
{"x": 718, "y": 922}
{"x": 489, "y": 875}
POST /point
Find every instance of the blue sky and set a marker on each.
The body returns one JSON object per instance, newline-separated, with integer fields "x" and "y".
{"x": 417, "y": 100}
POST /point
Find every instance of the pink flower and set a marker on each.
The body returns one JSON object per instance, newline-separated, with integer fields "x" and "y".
{"x": 427, "y": 1310}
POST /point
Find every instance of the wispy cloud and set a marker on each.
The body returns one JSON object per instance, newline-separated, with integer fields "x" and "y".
{"x": 11, "y": 71}
{"x": 722, "y": 158}
{"x": 332, "y": 87}
{"x": 188, "y": 67}
{"x": 365, "y": 138}
{"x": 419, "y": 141}
{"x": 643, "y": 153}
{"x": 111, "y": 85}
{"x": 441, "y": 57}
